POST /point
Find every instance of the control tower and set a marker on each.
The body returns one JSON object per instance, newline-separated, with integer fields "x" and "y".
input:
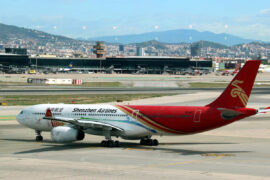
{"x": 99, "y": 49}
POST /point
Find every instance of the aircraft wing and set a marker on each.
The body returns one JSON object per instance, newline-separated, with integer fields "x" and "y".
{"x": 263, "y": 110}
{"x": 81, "y": 123}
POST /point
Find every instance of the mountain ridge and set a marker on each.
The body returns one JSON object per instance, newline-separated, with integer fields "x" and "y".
{"x": 176, "y": 36}
{"x": 11, "y": 32}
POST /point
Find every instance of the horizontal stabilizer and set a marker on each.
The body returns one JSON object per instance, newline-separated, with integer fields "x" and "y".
{"x": 263, "y": 110}
{"x": 228, "y": 114}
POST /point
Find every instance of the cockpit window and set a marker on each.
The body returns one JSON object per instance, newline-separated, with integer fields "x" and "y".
{"x": 21, "y": 112}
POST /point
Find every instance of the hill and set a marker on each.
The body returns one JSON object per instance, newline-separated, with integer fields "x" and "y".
{"x": 153, "y": 43}
{"x": 11, "y": 33}
{"x": 256, "y": 43}
{"x": 206, "y": 44}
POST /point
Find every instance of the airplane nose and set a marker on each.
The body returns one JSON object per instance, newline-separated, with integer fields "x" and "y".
{"x": 20, "y": 118}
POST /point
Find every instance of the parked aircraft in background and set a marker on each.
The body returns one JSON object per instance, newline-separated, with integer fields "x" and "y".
{"x": 70, "y": 122}
{"x": 67, "y": 68}
{"x": 231, "y": 71}
{"x": 264, "y": 68}
{"x": 11, "y": 69}
{"x": 195, "y": 71}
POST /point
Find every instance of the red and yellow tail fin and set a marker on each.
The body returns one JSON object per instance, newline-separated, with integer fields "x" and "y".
{"x": 237, "y": 92}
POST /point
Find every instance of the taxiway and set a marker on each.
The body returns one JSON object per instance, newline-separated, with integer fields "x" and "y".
{"x": 237, "y": 151}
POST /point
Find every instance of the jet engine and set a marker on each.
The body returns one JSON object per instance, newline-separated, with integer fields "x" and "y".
{"x": 66, "y": 134}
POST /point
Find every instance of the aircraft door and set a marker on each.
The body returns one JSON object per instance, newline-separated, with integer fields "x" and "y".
{"x": 197, "y": 116}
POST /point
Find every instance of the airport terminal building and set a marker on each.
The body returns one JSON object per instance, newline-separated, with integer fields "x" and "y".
{"x": 133, "y": 64}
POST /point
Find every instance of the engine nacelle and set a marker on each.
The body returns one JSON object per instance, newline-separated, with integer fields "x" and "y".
{"x": 66, "y": 134}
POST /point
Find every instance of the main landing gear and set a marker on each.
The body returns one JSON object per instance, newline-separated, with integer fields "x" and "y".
{"x": 149, "y": 142}
{"x": 110, "y": 143}
{"x": 39, "y": 137}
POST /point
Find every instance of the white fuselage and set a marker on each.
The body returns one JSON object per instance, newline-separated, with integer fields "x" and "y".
{"x": 32, "y": 117}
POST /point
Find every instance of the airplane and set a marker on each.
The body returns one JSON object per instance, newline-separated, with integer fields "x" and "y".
{"x": 232, "y": 71}
{"x": 264, "y": 68}
{"x": 69, "y": 68}
{"x": 197, "y": 72}
{"x": 70, "y": 122}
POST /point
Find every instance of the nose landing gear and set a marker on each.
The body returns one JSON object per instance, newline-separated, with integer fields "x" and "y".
{"x": 39, "y": 137}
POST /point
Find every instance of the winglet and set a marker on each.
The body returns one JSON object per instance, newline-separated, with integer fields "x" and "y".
{"x": 48, "y": 113}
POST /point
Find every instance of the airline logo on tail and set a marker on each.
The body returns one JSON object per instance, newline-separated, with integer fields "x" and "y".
{"x": 239, "y": 92}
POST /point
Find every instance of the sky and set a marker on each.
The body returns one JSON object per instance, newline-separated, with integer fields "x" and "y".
{"x": 95, "y": 18}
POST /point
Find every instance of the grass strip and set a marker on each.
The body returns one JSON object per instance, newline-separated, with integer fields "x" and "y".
{"x": 102, "y": 84}
{"x": 207, "y": 85}
{"x": 218, "y": 85}
{"x": 85, "y": 84}
{"x": 22, "y": 100}
{"x": 7, "y": 118}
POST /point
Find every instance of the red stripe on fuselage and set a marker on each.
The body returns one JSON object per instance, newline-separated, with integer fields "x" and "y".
{"x": 146, "y": 120}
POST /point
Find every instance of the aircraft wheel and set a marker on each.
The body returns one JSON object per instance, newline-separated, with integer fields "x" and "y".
{"x": 103, "y": 143}
{"x": 39, "y": 138}
{"x": 150, "y": 142}
{"x": 110, "y": 143}
{"x": 155, "y": 142}
{"x": 116, "y": 144}
{"x": 142, "y": 142}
